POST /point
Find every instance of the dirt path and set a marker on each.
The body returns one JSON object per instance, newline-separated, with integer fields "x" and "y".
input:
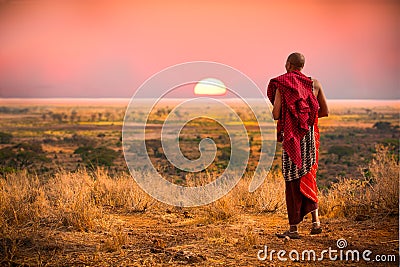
{"x": 179, "y": 238}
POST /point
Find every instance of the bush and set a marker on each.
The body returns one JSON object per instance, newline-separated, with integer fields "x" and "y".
{"x": 79, "y": 140}
{"x": 5, "y": 138}
{"x": 100, "y": 156}
{"x": 22, "y": 155}
{"x": 341, "y": 151}
{"x": 382, "y": 125}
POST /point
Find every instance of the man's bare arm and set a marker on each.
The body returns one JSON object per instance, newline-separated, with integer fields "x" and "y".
{"x": 319, "y": 93}
{"x": 276, "y": 111}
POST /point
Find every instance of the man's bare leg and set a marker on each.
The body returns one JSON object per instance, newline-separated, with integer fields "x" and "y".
{"x": 314, "y": 215}
{"x": 293, "y": 228}
{"x": 292, "y": 233}
{"x": 316, "y": 225}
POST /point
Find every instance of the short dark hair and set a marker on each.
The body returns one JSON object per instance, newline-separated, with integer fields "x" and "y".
{"x": 297, "y": 60}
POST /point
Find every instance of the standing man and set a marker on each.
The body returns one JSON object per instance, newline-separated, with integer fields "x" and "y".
{"x": 298, "y": 102}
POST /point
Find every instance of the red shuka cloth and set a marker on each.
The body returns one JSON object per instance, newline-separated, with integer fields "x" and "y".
{"x": 298, "y": 112}
{"x": 297, "y": 204}
{"x": 301, "y": 194}
{"x": 308, "y": 182}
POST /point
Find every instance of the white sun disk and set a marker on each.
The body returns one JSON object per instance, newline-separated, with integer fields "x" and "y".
{"x": 210, "y": 86}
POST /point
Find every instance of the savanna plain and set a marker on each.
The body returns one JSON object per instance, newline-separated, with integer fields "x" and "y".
{"x": 68, "y": 199}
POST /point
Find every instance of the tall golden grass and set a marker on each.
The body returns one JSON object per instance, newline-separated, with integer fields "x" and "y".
{"x": 74, "y": 200}
{"x": 81, "y": 201}
{"x": 376, "y": 193}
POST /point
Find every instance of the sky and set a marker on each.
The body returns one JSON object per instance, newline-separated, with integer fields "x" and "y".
{"x": 71, "y": 48}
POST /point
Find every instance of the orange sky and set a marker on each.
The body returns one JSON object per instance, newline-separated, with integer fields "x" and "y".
{"x": 108, "y": 48}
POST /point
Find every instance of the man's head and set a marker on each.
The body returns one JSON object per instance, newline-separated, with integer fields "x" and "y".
{"x": 295, "y": 61}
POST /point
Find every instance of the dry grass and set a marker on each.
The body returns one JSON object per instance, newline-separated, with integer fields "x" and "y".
{"x": 269, "y": 198}
{"x": 117, "y": 239}
{"x": 384, "y": 170}
{"x": 221, "y": 210}
{"x": 79, "y": 201}
{"x": 345, "y": 198}
{"x": 83, "y": 202}
{"x": 23, "y": 200}
{"x": 378, "y": 193}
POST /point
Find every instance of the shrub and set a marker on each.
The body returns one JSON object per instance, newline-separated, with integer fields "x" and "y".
{"x": 341, "y": 151}
{"x": 100, "y": 156}
{"x": 382, "y": 125}
{"x": 22, "y": 155}
{"x": 5, "y": 138}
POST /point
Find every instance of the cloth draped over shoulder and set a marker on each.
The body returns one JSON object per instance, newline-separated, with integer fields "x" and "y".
{"x": 299, "y": 110}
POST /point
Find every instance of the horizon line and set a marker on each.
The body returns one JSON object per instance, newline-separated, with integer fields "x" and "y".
{"x": 177, "y": 98}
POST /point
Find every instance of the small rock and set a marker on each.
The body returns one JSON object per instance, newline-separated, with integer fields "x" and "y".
{"x": 156, "y": 250}
{"x": 188, "y": 257}
{"x": 187, "y": 215}
{"x": 157, "y": 243}
{"x": 361, "y": 217}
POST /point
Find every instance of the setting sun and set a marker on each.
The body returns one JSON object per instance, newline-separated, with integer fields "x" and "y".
{"x": 210, "y": 86}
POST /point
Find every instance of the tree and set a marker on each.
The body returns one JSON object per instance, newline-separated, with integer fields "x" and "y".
{"x": 73, "y": 115}
{"x": 93, "y": 117}
{"x": 57, "y": 117}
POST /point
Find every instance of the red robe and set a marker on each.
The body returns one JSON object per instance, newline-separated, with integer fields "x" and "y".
{"x": 299, "y": 111}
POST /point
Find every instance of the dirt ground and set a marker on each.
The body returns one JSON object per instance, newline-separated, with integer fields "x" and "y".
{"x": 177, "y": 237}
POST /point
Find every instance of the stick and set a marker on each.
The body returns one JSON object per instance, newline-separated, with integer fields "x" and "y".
{"x": 391, "y": 241}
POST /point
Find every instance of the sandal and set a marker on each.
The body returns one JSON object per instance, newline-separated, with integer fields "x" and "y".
{"x": 291, "y": 235}
{"x": 316, "y": 229}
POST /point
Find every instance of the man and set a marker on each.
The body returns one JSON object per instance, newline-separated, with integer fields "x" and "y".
{"x": 298, "y": 102}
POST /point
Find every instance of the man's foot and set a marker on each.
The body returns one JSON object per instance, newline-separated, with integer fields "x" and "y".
{"x": 316, "y": 228}
{"x": 291, "y": 235}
